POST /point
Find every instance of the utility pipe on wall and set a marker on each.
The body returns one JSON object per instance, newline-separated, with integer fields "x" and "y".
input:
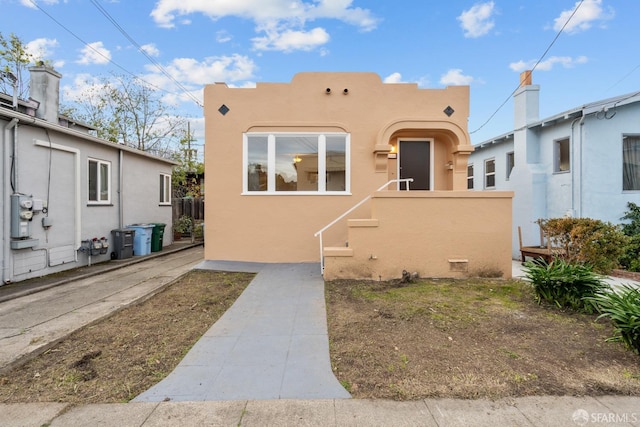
{"x": 6, "y": 191}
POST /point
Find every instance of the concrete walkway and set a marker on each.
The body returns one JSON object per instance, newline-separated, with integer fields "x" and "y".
{"x": 271, "y": 344}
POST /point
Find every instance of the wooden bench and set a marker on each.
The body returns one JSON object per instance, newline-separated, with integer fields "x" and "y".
{"x": 546, "y": 252}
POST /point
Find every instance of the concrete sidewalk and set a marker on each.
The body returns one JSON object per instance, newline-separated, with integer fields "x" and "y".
{"x": 525, "y": 411}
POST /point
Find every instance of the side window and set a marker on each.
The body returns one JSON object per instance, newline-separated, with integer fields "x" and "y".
{"x": 470, "y": 177}
{"x": 99, "y": 177}
{"x": 562, "y": 159}
{"x": 165, "y": 189}
{"x": 510, "y": 163}
{"x": 631, "y": 162}
{"x": 490, "y": 173}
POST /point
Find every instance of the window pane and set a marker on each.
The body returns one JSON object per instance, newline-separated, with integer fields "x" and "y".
{"x": 257, "y": 163}
{"x": 93, "y": 181}
{"x": 104, "y": 182}
{"x": 165, "y": 188}
{"x": 296, "y": 163}
{"x": 562, "y": 156}
{"x": 336, "y": 163}
{"x": 491, "y": 181}
{"x": 631, "y": 163}
{"x": 490, "y": 166}
{"x": 470, "y": 177}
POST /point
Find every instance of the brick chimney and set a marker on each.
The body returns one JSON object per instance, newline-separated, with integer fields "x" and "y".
{"x": 526, "y": 102}
{"x": 45, "y": 89}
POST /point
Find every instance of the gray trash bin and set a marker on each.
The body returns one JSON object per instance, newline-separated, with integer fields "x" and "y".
{"x": 122, "y": 243}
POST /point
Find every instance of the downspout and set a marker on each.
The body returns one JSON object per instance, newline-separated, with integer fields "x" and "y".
{"x": 120, "y": 197}
{"x": 581, "y": 134}
{"x": 6, "y": 191}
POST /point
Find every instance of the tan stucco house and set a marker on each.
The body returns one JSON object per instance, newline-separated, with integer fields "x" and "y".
{"x": 284, "y": 160}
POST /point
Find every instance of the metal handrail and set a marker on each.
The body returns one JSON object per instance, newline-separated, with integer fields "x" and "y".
{"x": 354, "y": 207}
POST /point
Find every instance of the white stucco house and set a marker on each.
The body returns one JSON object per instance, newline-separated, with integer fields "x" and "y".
{"x": 62, "y": 187}
{"x": 584, "y": 162}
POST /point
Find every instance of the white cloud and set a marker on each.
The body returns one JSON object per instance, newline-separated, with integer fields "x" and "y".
{"x": 150, "y": 49}
{"x": 234, "y": 68}
{"x": 223, "y": 36}
{"x": 547, "y": 65}
{"x": 589, "y": 12}
{"x": 290, "y": 40}
{"x": 41, "y": 48}
{"x": 31, "y": 4}
{"x": 477, "y": 21}
{"x": 282, "y": 21}
{"x": 94, "y": 53}
{"x": 454, "y": 77}
{"x": 393, "y": 78}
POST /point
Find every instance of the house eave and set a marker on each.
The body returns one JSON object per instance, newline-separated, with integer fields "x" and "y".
{"x": 25, "y": 118}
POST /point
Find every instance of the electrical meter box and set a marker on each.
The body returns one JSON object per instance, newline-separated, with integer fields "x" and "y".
{"x": 21, "y": 216}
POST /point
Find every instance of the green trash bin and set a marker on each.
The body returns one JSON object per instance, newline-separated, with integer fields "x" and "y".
{"x": 156, "y": 236}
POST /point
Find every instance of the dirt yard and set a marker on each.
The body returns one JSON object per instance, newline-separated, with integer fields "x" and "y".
{"x": 465, "y": 339}
{"x": 469, "y": 339}
{"x": 122, "y": 356}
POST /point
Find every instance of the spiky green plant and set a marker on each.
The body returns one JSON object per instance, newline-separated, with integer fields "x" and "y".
{"x": 564, "y": 284}
{"x": 622, "y": 306}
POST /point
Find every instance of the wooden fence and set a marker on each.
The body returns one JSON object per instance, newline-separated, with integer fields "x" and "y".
{"x": 190, "y": 206}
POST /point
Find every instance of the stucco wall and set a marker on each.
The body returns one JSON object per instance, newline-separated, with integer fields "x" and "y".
{"x": 280, "y": 228}
{"x": 435, "y": 234}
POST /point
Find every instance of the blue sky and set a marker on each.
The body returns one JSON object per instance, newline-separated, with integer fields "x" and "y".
{"x": 484, "y": 44}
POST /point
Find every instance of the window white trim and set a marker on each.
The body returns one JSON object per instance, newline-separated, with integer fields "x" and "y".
{"x": 487, "y": 174}
{"x": 99, "y": 182}
{"x": 165, "y": 189}
{"x": 271, "y": 163}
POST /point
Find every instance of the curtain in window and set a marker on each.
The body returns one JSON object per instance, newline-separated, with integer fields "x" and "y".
{"x": 631, "y": 163}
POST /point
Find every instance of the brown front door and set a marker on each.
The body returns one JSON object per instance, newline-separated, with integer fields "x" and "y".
{"x": 415, "y": 163}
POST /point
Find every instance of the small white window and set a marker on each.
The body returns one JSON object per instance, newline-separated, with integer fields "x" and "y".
{"x": 562, "y": 155}
{"x": 470, "y": 177}
{"x": 510, "y": 163}
{"x": 99, "y": 182}
{"x": 490, "y": 173}
{"x": 165, "y": 189}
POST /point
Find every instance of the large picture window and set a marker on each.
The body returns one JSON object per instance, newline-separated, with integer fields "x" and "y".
{"x": 631, "y": 162}
{"x": 99, "y": 182}
{"x": 296, "y": 163}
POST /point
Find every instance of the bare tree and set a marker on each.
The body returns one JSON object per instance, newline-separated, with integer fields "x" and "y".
{"x": 128, "y": 111}
{"x": 14, "y": 60}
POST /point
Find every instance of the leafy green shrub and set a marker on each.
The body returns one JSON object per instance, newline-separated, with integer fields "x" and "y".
{"x": 630, "y": 260}
{"x": 622, "y": 306}
{"x": 588, "y": 241}
{"x": 564, "y": 284}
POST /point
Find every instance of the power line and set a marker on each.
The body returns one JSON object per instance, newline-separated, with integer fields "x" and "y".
{"x": 141, "y": 50}
{"x": 100, "y": 53}
{"x": 534, "y": 67}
